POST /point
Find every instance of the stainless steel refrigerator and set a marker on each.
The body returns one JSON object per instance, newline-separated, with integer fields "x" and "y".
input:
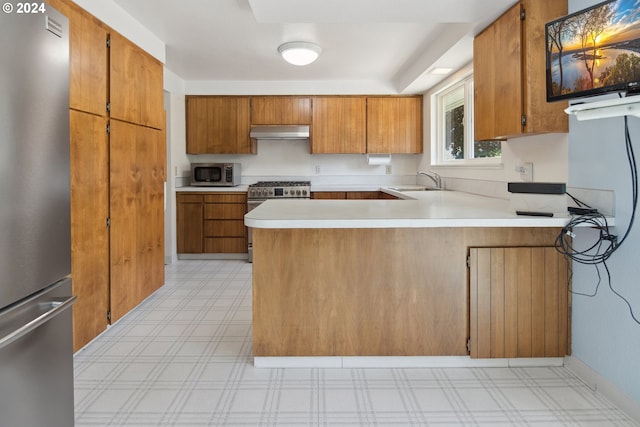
{"x": 36, "y": 350}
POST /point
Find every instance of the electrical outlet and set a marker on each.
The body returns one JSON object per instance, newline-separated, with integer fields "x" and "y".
{"x": 387, "y": 169}
{"x": 317, "y": 169}
{"x": 526, "y": 171}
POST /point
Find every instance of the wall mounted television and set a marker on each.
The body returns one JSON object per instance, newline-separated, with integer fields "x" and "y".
{"x": 594, "y": 51}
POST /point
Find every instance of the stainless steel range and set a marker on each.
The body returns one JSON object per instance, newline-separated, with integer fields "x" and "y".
{"x": 265, "y": 190}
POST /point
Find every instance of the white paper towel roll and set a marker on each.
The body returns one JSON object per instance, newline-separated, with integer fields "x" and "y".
{"x": 379, "y": 159}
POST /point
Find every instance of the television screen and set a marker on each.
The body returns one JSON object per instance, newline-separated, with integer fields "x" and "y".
{"x": 594, "y": 51}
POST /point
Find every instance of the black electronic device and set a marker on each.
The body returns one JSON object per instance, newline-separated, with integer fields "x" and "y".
{"x": 581, "y": 211}
{"x": 537, "y": 187}
{"x": 593, "y": 51}
{"x": 532, "y": 213}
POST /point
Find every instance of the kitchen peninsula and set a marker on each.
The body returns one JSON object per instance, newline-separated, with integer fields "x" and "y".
{"x": 434, "y": 273}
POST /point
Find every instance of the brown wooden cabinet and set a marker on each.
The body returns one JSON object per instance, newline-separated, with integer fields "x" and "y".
{"x": 211, "y": 223}
{"x": 116, "y": 176}
{"x": 224, "y": 230}
{"x": 218, "y": 125}
{"x": 135, "y": 84}
{"x": 339, "y": 125}
{"x": 394, "y": 124}
{"x": 519, "y": 302}
{"x": 280, "y": 110}
{"x": 88, "y": 64}
{"x": 509, "y": 74}
{"x": 137, "y": 171}
{"x": 89, "y": 231}
{"x": 190, "y": 221}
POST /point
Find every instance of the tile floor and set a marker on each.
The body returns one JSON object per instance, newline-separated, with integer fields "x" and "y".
{"x": 183, "y": 358}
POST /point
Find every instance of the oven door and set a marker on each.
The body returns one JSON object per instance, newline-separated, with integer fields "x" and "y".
{"x": 251, "y": 205}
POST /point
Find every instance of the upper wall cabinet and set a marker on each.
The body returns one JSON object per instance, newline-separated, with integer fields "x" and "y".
{"x": 339, "y": 125}
{"x": 88, "y": 73}
{"x": 509, "y": 74}
{"x": 219, "y": 125}
{"x": 394, "y": 124}
{"x": 280, "y": 110}
{"x": 136, "y": 84}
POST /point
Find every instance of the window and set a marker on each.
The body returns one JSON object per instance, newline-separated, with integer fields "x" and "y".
{"x": 452, "y": 118}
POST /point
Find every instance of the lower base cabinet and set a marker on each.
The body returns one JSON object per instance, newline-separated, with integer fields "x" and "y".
{"x": 211, "y": 223}
{"x": 519, "y": 302}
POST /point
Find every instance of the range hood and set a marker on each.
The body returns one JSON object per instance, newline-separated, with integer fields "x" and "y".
{"x": 280, "y": 132}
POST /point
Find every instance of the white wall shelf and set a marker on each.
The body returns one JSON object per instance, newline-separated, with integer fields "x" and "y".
{"x": 628, "y": 106}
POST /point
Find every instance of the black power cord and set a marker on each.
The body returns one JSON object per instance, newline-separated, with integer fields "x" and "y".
{"x": 605, "y": 244}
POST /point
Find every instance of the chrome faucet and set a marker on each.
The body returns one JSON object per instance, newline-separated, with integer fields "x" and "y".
{"x": 434, "y": 177}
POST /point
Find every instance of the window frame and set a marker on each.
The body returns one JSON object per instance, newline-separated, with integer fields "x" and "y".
{"x": 438, "y": 126}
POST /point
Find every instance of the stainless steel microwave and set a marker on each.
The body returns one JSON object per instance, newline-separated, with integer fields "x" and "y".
{"x": 215, "y": 174}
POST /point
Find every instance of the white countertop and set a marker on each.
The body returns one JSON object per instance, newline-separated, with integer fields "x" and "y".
{"x": 417, "y": 209}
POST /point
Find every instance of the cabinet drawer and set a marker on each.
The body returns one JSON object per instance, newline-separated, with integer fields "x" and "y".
{"x": 225, "y": 245}
{"x": 190, "y": 198}
{"x": 224, "y": 228}
{"x": 226, "y": 198}
{"x": 224, "y": 210}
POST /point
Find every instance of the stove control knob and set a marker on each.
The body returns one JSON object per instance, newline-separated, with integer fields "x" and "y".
{"x": 304, "y": 192}
{"x": 298, "y": 192}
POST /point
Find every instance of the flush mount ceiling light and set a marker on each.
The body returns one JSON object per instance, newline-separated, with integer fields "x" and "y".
{"x": 440, "y": 71}
{"x": 299, "y": 53}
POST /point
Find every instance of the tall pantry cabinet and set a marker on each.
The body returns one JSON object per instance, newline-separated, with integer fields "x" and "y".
{"x": 117, "y": 173}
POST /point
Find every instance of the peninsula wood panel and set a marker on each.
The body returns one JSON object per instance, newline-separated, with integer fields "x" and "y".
{"x": 280, "y": 110}
{"x": 345, "y": 303}
{"x": 137, "y": 168}
{"x": 407, "y": 294}
{"x": 339, "y": 125}
{"x": 519, "y": 302}
{"x": 89, "y": 232}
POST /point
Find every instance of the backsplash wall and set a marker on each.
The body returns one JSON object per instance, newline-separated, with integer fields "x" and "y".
{"x": 293, "y": 158}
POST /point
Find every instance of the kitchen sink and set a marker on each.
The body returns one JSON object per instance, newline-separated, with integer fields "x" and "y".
{"x": 404, "y": 188}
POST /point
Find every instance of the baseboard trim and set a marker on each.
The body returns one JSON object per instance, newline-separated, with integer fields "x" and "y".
{"x": 401, "y": 362}
{"x": 600, "y": 384}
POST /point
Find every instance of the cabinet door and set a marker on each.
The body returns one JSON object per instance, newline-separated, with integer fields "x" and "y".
{"x": 339, "y": 125}
{"x": 88, "y": 71}
{"x": 519, "y": 303}
{"x": 136, "y": 84}
{"x": 497, "y": 72}
{"x": 137, "y": 168}
{"x": 509, "y": 74}
{"x": 189, "y": 212}
{"x": 218, "y": 125}
{"x": 394, "y": 125}
{"x": 541, "y": 116}
{"x": 89, "y": 232}
{"x": 280, "y": 110}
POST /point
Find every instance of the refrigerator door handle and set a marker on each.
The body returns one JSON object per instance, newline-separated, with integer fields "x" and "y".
{"x": 56, "y": 305}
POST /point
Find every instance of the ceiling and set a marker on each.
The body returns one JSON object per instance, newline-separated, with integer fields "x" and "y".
{"x": 392, "y": 42}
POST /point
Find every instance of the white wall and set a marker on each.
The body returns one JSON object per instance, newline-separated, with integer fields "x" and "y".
{"x": 604, "y": 335}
